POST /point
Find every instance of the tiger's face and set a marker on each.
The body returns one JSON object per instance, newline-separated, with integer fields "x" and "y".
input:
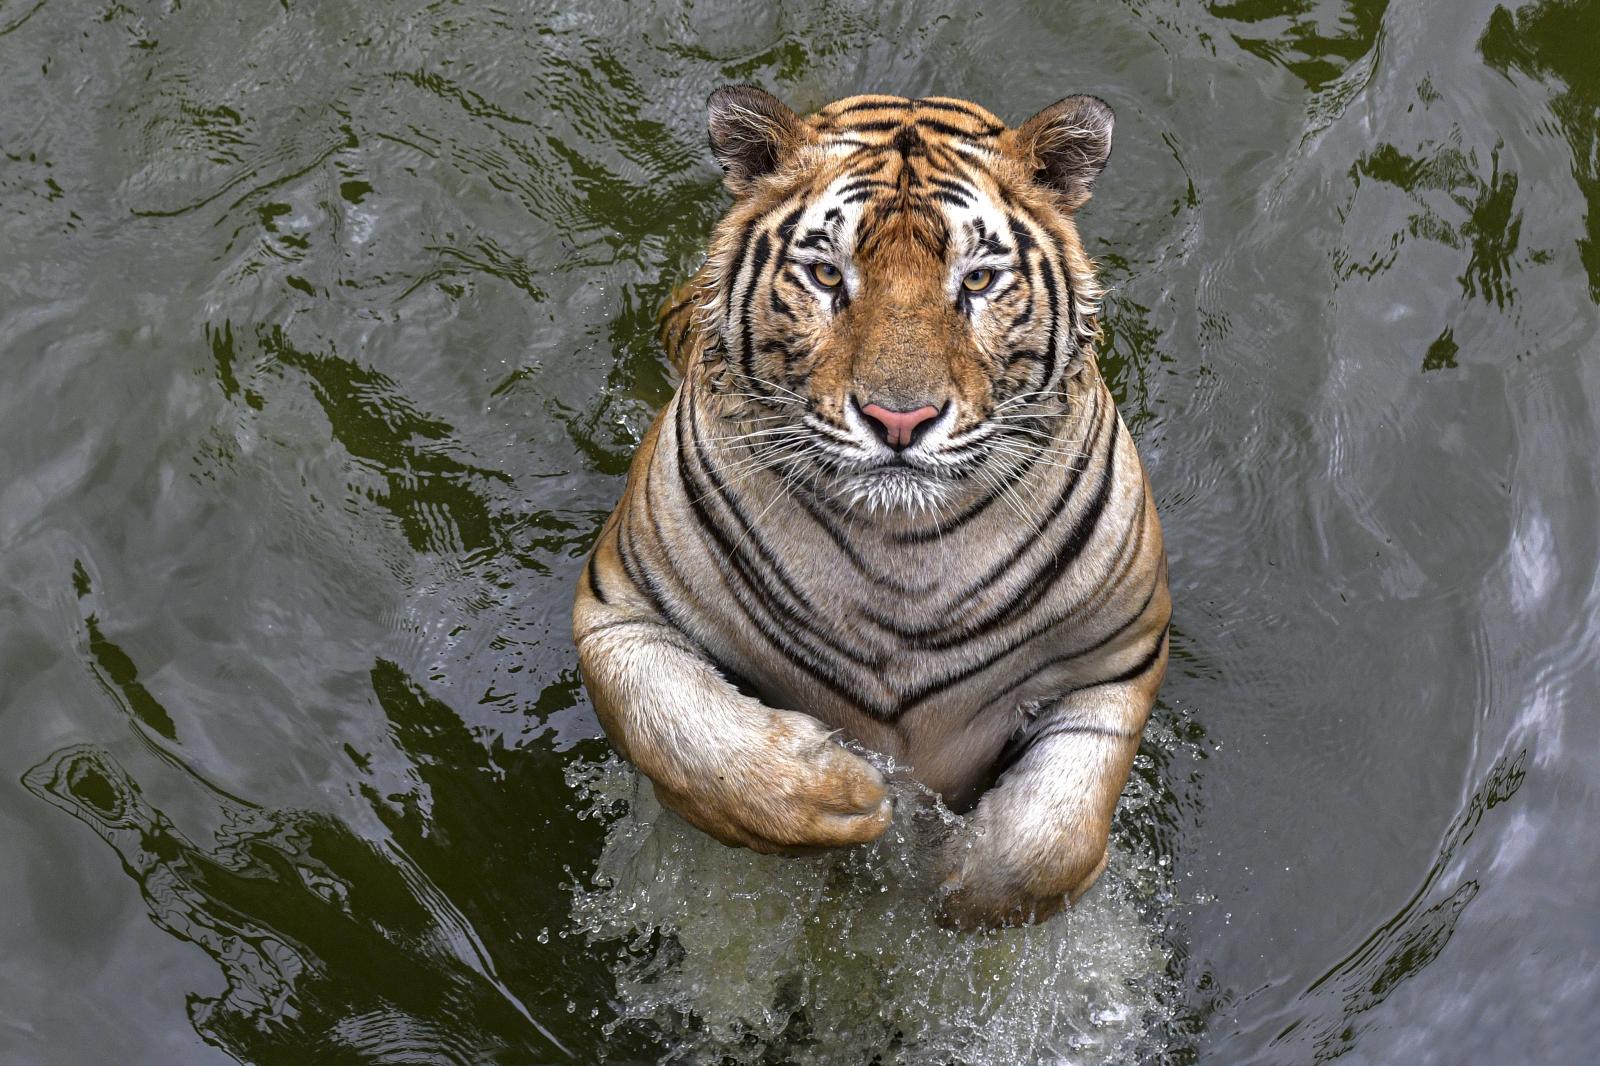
{"x": 899, "y": 295}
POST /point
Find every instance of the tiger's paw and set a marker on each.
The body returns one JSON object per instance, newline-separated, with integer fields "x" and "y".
{"x": 986, "y": 890}
{"x": 790, "y": 790}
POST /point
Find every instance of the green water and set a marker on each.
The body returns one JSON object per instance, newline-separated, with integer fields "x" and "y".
{"x": 326, "y": 339}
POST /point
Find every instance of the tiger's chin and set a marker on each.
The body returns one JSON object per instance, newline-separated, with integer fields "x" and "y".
{"x": 895, "y": 491}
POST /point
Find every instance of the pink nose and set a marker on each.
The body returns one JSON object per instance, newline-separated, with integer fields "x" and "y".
{"x": 899, "y": 427}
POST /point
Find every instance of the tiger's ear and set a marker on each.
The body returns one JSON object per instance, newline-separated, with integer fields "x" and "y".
{"x": 1068, "y": 144}
{"x": 752, "y": 132}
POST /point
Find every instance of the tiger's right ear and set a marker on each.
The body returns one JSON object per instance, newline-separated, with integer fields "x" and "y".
{"x": 752, "y": 132}
{"x": 1068, "y": 144}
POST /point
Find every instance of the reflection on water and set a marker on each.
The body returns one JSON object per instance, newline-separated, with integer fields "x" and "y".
{"x": 1314, "y": 41}
{"x": 292, "y": 908}
{"x": 331, "y": 943}
{"x": 1401, "y": 946}
{"x": 438, "y": 499}
{"x": 1490, "y": 230}
{"x": 1553, "y": 40}
{"x": 118, "y": 670}
{"x": 345, "y": 945}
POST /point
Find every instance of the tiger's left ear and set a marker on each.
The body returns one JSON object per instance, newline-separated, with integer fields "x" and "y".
{"x": 752, "y": 133}
{"x": 1068, "y": 144}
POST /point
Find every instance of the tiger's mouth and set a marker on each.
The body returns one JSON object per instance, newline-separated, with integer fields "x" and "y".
{"x": 895, "y": 486}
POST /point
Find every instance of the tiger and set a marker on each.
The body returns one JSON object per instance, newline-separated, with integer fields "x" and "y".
{"x": 891, "y": 506}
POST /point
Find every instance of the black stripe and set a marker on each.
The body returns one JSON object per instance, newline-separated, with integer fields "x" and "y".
{"x": 833, "y": 432}
{"x": 951, "y": 162}
{"x": 1016, "y": 207}
{"x": 892, "y": 103}
{"x": 1060, "y": 729}
{"x": 1072, "y": 306}
{"x": 842, "y": 542}
{"x": 1088, "y": 649}
{"x": 1033, "y": 591}
{"x": 791, "y": 618}
{"x": 786, "y": 227}
{"x": 1137, "y": 670}
{"x": 955, "y": 188}
{"x": 922, "y": 536}
{"x": 652, "y": 507}
{"x": 1026, "y": 240}
{"x": 1052, "y": 325}
{"x": 792, "y": 649}
{"x": 1062, "y": 502}
{"x": 1076, "y": 540}
{"x": 908, "y": 142}
{"x": 956, "y": 131}
{"x": 1020, "y": 234}
{"x": 1023, "y": 317}
{"x": 594, "y": 582}
{"x": 641, "y": 579}
{"x": 747, "y": 325}
{"x": 860, "y": 184}
{"x": 876, "y": 126}
{"x": 731, "y": 281}
{"x": 991, "y": 244}
{"x": 620, "y": 622}
{"x": 1019, "y": 747}
{"x": 1140, "y": 668}
{"x": 948, "y": 105}
{"x": 779, "y": 307}
{"x": 786, "y": 238}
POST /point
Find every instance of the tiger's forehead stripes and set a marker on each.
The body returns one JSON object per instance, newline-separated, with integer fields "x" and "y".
{"x": 828, "y": 223}
{"x": 867, "y": 117}
{"x": 911, "y": 170}
{"x": 931, "y": 138}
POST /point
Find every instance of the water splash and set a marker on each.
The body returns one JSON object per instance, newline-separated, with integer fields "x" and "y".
{"x": 729, "y": 956}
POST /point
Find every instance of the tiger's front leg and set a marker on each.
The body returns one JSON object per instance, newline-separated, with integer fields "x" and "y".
{"x": 749, "y": 775}
{"x": 1037, "y": 841}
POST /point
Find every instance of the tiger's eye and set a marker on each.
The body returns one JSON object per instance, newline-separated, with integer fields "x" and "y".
{"x": 978, "y": 280}
{"x": 827, "y": 275}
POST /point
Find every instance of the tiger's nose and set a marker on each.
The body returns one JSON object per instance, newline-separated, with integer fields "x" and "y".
{"x": 898, "y": 429}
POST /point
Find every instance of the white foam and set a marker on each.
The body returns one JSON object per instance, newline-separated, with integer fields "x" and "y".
{"x": 736, "y": 957}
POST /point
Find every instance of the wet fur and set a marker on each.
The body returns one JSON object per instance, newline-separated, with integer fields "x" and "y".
{"x": 988, "y": 606}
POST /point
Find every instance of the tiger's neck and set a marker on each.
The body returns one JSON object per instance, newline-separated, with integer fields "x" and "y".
{"x": 913, "y": 551}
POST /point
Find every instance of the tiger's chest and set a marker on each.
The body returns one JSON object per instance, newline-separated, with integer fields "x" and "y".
{"x": 931, "y": 642}
{"x": 924, "y": 659}
{"x": 891, "y": 651}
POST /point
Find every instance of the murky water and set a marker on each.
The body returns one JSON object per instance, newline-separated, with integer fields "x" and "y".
{"x": 327, "y": 337}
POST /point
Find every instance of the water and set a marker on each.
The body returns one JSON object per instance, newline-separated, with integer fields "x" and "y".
{"x": 327, "y": 337}
{"x": 838, "y": 958}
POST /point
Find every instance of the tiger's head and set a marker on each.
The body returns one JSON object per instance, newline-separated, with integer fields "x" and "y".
{"x": 896, "y": 304}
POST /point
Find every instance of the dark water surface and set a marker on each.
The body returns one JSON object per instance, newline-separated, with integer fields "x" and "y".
{"x": 327, "y": 335}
